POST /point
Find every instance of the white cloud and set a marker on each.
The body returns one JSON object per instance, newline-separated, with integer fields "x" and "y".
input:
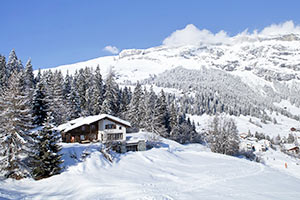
{"x": 111, "y": 49}
{"x": 191, "y": 35}
{"x": 281, "y": 29}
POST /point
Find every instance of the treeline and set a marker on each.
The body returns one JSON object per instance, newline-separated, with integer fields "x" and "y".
{"x": 212, "y": 91}
{"x": 31, "y": 105}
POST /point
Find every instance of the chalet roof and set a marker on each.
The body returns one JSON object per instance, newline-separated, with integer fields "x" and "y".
{"x": 294, "y": 149}
{"x": 289, "y": 146}
{"x": 89, "y": 120}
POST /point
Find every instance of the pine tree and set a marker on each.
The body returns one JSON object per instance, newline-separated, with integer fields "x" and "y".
{"x": 89, "y": 90}
{"x": 38, "y": 77}
{"x": 97, "y": 95}
{"x": 173, "y": 119}
{"x": 161, "y": 116}
{"x": 81, "y": 88}
{"x": 39, "y": 105}
{"x": 67, "y": 98}
{"x": 142, "y": 108}
{"x": 151, "y": 100}
{"x": 28, "y": 76}
{"x": 47, "y": 160}
{"x": 111, "y": 102}
{"x": 13, "y": 64}
{"x": 134, "y": 107}
{"x": 75, "y": 101}
{"x": 124, "y": 102}
{"x": 57, "y": 107}
{"x": 29, "y": 83}
{"x": 3, "y": 77}
{"x": 15, "y": 141}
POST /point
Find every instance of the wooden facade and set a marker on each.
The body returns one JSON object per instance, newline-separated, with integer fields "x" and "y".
{"x": 82, "y": 133}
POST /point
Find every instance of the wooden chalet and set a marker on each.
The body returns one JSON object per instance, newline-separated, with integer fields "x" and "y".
{"x": 104, "y": 128}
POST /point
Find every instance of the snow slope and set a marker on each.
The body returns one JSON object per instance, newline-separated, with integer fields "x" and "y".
{"x": 255, "y": 61}
{"x": 172, "y": 171}
{"x": 282, "y": 128}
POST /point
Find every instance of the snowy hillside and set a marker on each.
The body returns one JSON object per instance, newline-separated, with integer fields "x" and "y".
{"x": 252, "y": 69}
{"x": 256, "y": 60}
{"x": 172, "y": 171}
{"x": 253, "y": 124}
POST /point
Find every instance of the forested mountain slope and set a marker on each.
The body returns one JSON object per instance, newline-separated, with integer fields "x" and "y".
{"x": 245, "y": 76}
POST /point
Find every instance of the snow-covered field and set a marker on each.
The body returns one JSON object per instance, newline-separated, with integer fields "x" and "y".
{"x": 172, "y": 171}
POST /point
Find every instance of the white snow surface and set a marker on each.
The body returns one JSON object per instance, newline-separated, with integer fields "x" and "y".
{"x": 172, "y": 171}
{"x": 288, "y": 106}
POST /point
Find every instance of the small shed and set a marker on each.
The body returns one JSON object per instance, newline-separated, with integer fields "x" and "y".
{"x": 136, "y": 145}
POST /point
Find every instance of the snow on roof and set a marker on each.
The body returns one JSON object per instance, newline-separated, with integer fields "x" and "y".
{"x": 89, "y": 120}
{"x": 289, "y": 146}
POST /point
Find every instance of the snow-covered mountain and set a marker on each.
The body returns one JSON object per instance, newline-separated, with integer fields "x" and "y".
{"x": 261, "y": 68}
{"x": 257, "y": 60}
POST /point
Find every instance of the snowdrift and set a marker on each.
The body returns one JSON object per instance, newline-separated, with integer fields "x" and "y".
{"x": 172, "y": 171}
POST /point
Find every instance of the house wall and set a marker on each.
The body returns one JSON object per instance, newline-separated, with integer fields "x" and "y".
{"x": 102, "y": 132}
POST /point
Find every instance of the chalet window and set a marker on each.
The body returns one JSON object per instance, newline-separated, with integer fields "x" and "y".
{"x": 81, "y": 137}
{"x": 117, "y": 136}
{"x": 110, "y": 126}
{"x": 120, "y": 127}
{"x": 93, "y": 127}
{"x": 83, "y": 128}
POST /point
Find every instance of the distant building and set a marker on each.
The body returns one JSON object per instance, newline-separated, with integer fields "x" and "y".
{"x": 294, "y": 150}
{"x": 244, "y": 135}
{"x": 291, "y": 148}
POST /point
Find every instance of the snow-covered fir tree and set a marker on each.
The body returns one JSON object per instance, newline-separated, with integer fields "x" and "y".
{"x": 125, "y": 101}
{"x": 47, "y": 159}
{"x": 151, "y": 99}
{"x": 111, "y": 102}
{"x": 97, "y": 92}
{"x": 74, "y": 100}
{"x": 3, "y": 72}
{"x": 39, "y": 105}
{"x": 143, "y": 109}
{"x": 28, "y": 76}
{"x": 161, "y": 116}
{"x": 67, "y": 88}
{"x": 13, "y": 64}
{"x": 134, "y": 110}
{"x": 16, "y": 121}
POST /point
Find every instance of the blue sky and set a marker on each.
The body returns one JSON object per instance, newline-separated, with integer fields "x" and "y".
{"x": 60, "y": 32}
